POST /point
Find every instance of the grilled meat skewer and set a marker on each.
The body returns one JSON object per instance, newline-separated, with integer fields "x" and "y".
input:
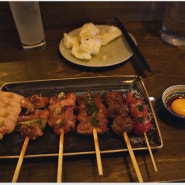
{"x": 139, "y": 113}
{"x": 30, "y": 123}
{"x": 61, "y": 112}
{"x": 34, "y": 116}
{"x": 10, "y": 108}
{"x": 92, "y": 120}
{"x": 92, "y": 114}
{"x": 122, "y": 123}
{"x": 62, "y": 120}
{"x": 118, "y": 112}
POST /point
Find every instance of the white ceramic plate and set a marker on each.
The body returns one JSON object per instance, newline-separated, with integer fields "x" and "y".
{"x": 115, "y": 52}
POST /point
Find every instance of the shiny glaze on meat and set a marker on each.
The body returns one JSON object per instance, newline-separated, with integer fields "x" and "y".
{"x": 92, "y": 114}
{"x": 33, "y": 117}
{"x": 61, "y": 113}
{"x": 118, "y": 112}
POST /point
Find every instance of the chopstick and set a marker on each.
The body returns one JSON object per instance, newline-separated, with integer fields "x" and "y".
{"x": 150, "y": 151}
{"x": 138, "y": 173}
{"x": 133, "y": 47}
{"x": 138, "y": 68}
{"x": 21, "y": 157}
{"x": 60, "y": 156}
{"x": 98, "y": 157}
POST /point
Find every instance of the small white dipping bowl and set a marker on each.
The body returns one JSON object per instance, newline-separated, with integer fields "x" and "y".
{"x": 170, "y": 94}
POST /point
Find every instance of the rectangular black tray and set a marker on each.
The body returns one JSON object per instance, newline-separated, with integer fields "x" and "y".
{"x": 75, "y": 144}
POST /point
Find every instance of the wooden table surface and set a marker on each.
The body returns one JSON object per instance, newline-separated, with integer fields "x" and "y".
{"x": 168, "y": 68}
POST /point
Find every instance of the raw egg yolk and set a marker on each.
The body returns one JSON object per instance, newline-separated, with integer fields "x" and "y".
{"x": 178, "y": 106}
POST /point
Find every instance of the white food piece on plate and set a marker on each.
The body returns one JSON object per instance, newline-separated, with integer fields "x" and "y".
{"x": 86, "y": 49}
{"x": 109, "y": 33}
{"x": 69, "y": 41}
{"x": 79, "y": 52}
{"x": 90, "y": 40}
{"x": 88, "y": 31}
{"x": 91, "y": 46}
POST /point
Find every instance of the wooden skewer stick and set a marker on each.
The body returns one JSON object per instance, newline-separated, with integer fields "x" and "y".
{"x": 21, "y": 157}
{"x": 98, "y": 157}
{"x": 150, "y": 151}
{"x": 138, "y": 173}
{"x": 60, "y": 156}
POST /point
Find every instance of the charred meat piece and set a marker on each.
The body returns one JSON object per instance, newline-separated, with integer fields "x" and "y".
{"x": 115, "y": 104}
{"x": 62, "y": 118}
{"x": 31, "y": 130}
{"x": 10, "y": 108}
{"x": 37, "y": 113}
{"x": 35, "y": 102}
{"x": 33, "y": 117}
{"x": 31, "y": 124}
{"x": 92, "y": 114}
{"x": 121, "y": 124}
{"x": 118, "y": 112}
{"x": 62, "y": 99}
{"x": 61, "y": 112}
{"x": 39, "y": 101}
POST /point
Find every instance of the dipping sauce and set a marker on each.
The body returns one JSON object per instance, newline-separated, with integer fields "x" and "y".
{"x": 178, "y": 106}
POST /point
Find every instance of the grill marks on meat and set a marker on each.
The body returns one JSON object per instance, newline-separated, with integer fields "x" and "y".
{"x": 35, "y": 102}
{"x": 61, "y": 112}
{"x": 115, "y": 104}
{"x": 10, "y": 108}
{"x": 31, "y": 124}
{"x": 32, "y": 121}
{"x": 31, "y": 131}
{"x": 118, "y": 112}
{"x": 37, "y": 113}
{"x": 92, "y": 113}
{"x": 121, "y": 124}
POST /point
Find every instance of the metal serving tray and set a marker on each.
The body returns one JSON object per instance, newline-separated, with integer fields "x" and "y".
{"x": 75, "y": 144}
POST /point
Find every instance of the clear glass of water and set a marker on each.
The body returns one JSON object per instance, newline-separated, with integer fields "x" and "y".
{"x": 173, "y": 28}
{"x": 29, "y": 25}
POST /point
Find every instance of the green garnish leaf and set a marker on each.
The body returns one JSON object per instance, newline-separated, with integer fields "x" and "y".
{"x": 59, "y": 121}
{"x": 92, "y": 110}
{"x": 140, "y": 108}
{"x": 57, "y": 111}
{"x": 140, "y": 119}
{"x": 40, "y": 122}
{"x": 61, "y": 95}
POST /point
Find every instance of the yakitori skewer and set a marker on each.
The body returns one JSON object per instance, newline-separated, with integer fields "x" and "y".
{"x": 20, "y": 160}
{"x": 10, "y": 108}
{"x": 150, "y": 152}
{"x": 98, "y": 155}
{"x": 134, "y": 162}
{"x": 140, "y": 114}
{"x": 92, "y": 119}
{"x": 121, "y": 122}
{"x": 62, "y": 120}
{"x": 60, "y": 156}
{"x": 30, "y": 123}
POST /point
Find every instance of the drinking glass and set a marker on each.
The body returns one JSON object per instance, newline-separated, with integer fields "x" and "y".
{"x": 173, "y": 28}
{"x": 29, "y": 25}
